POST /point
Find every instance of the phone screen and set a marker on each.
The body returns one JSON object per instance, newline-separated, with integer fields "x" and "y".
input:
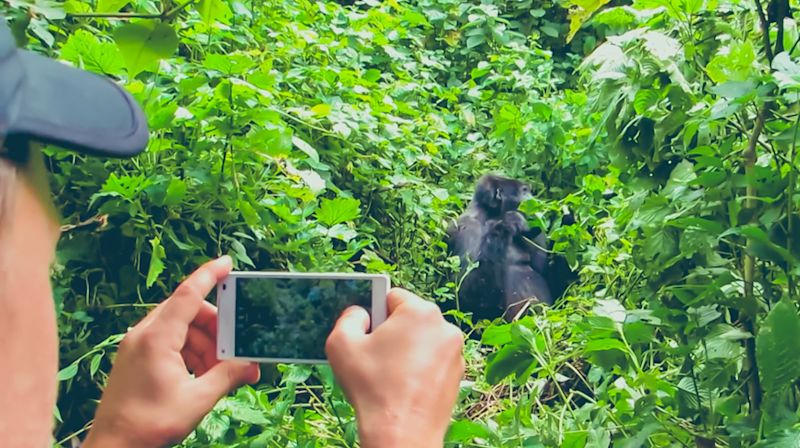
{"x": 292, "y": 317}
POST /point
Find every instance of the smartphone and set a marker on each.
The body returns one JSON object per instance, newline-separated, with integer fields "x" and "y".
{"x": 274, "y": 317}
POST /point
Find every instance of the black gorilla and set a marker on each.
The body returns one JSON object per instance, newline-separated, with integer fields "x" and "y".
{"x": 512, "y": 260}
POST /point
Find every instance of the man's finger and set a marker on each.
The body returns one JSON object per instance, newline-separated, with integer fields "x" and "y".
{"x": 353, "y": 323}
{"x": 223, "y": 378}
{"x": 400, "y": 296}
{"x": 202, "y": 345}
{"x": 185, "y": 303}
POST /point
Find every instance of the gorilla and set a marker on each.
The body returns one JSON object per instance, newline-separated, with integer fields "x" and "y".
{"x": 512, "y": 258}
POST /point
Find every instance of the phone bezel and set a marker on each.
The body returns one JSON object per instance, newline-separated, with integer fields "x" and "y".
{"x": 226, "y": 306}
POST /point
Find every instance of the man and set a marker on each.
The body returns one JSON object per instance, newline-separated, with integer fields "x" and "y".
{"x": 402, "y": 379}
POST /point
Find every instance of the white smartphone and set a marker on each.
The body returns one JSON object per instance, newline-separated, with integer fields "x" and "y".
{"x": 287, "y": 316}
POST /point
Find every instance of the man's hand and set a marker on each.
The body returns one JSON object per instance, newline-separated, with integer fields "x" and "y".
{"x": 151, "y": 399}
{"x": 403, "y": 378}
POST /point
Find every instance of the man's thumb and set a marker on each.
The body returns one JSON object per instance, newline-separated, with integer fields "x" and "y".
{"x": 223, "y": 378}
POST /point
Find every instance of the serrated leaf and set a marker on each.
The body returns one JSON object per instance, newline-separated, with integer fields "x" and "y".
{"x": 778, "y": 348}
{"x": 143, "y": 44}
{"x": 85, "y": 50}
{"x": 339, "y": 210}
{"x": 213, "y": 427}
{"x": 644, "y": 100}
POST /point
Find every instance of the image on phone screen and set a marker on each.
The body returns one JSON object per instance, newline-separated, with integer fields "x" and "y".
{"x": 292, "y": 317}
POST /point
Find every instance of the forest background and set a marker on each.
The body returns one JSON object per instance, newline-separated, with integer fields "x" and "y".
{"x": 314, "y": 135}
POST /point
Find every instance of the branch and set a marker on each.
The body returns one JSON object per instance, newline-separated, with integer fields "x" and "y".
{"x": 113, "y": 15}
{"x": 750, "y": 307}
{"x": 764, "y": 29}
{"x": 163, "y": 15}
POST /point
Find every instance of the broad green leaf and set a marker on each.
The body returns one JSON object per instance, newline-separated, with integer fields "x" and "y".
{"x": 213, "y": 427}
{"x": 778, "y": 348}
{"x": 295, "y": 373}
{"x": 275, "y": 141}
{"x": 596, "y": 345}
{"x": 111, "y": 5}
{"x": 249, "y": 213}
{"x": 143, "y": 44}
{"x": 465, "y": 431}
{"x": 214, "y": 10}
{"x": 85, "y": 50}
{"x": 339, "y": 210}
{"x": 644, "y": 100}
{"x": 321, "y": 110}
{"x": 229, "y": 64}
{"x": 732, "y": 63}
{"x": 244, "y": 412}
{"x": 509, "y": 360}
{"x": 579, "y": 13}
{"x": 176, "y": 190}
{"x": 497, "y": 335}
{"x": 789, "y": 438}
{"x": 157, "y": 255}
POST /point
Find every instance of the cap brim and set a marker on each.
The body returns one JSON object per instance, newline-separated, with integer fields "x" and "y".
{"x": 77, "y": 110}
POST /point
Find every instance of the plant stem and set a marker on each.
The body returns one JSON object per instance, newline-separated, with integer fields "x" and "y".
{"x": 790, "y": 209}
{"x": 164, "y": 15}
{"x": 750, "y": 307}
{"x": 764, "y": 30}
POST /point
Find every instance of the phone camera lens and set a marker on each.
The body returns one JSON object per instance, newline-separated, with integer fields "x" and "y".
{"x": 224, "y": 287}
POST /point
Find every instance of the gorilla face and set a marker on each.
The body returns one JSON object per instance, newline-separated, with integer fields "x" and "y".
{"x": 512, "y": 193}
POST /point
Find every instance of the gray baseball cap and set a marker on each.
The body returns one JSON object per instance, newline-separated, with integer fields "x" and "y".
{"x": 47, "y": 101}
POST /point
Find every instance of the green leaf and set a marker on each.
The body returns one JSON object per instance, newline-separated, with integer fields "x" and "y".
{"x": 789, "y": 438}
{"x": 176, "y": 190}
{"x": 507, "y": 361}
{"x": 68, "y": 372}
{"x": 778, "y": 348}
{"x": 295, "y": 373}
{"x": 732, "y": 63}
{"x": 213, "y": 427}
{"x": 644, "y": 100}
{"x": 95, "y": 364}
{"x": 157, "y": 255}
{"x": 229, "y": 64}
{"x": 240, "y": 253}
{"x": 107, "y": 6}
{"x": 596, "y": 345}
{"x": 339, "y": 210}
{"x": 321, "y": 110}
{"x": 496, "y": 335}
{"x": 302, "y": 145}
{"x": 465, "y": 431}
{"x": 275, "y": 141}
{"x": 249, "y": 213}
{"x": 84, "y": 50}
{"x": 214, "y": 10}
{"x": 143, "y": 44}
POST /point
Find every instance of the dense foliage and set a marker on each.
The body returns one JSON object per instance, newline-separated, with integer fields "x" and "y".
{"x": 311, "y": 135}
